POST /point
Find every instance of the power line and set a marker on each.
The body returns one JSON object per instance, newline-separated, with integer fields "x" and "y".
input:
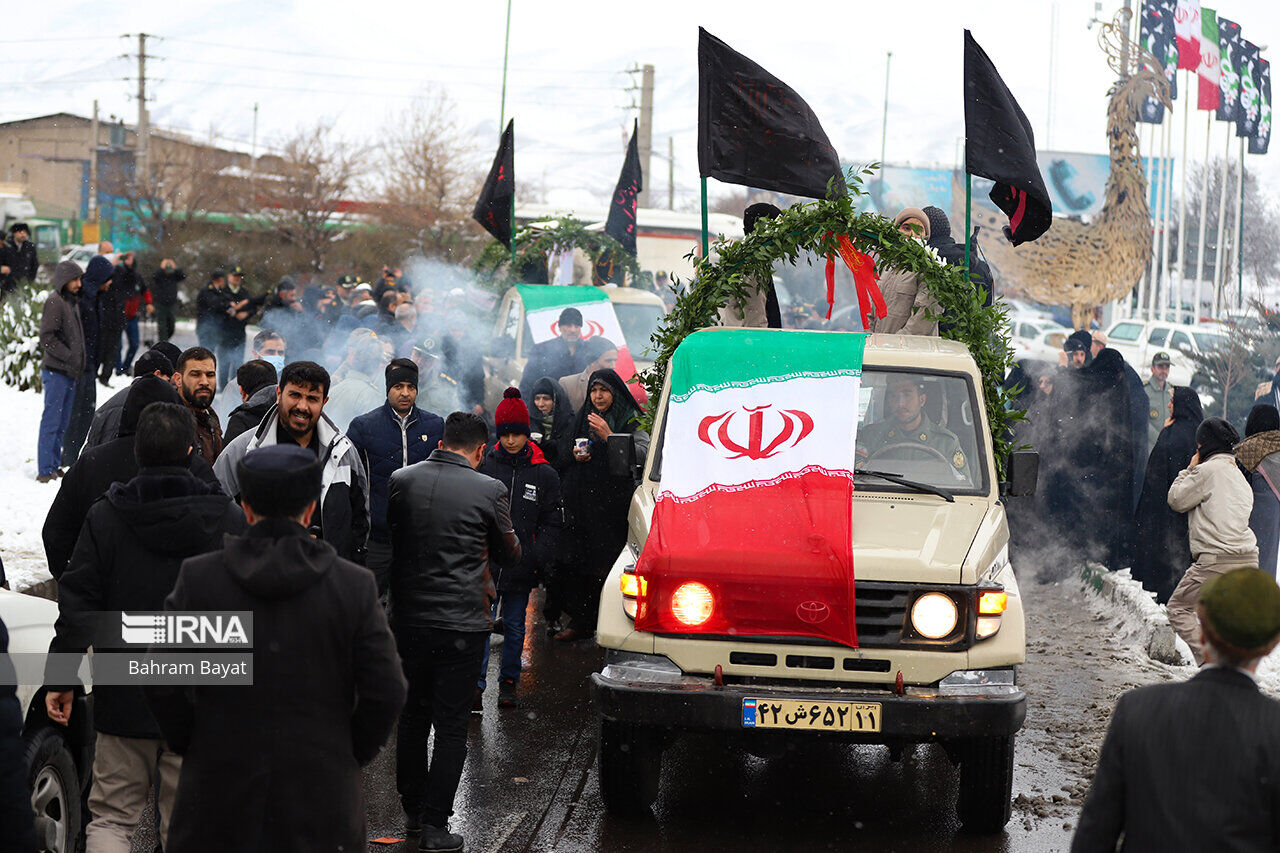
{"x": 9, "y": 41}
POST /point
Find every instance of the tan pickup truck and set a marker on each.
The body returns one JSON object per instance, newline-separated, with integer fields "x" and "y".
{"x": 939, "y": 616}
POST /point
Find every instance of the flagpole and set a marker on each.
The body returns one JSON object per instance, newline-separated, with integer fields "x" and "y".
{"x": 1204, "y": 209}
{"x": 1218, "y": 253}
{"x": 1182, "y": 200}
{"x": 704, "y": 219}
{"x": 1240, "y": 233}
{"x": 1146, "y": 173}
{"x": 1160, "y": 295}
{"x": 506, "y": 45}
{"x": 968, "y": 221}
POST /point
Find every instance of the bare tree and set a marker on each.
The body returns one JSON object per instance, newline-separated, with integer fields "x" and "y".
{"x": 303, "y": 201}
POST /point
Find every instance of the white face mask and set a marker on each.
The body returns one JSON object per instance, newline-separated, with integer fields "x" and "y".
{"x": 276, "y": 361}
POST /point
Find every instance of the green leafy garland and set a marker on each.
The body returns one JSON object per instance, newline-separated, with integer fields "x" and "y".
{"x": 534, "y": 245}
{"x": 814, "y": 226}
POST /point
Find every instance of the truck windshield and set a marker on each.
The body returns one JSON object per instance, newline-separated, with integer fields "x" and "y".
{"x": 920, "y": 426}
{"x": 639, "y": 320}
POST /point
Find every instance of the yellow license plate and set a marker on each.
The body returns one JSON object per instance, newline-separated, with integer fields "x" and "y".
{"x": 811, "y": 716}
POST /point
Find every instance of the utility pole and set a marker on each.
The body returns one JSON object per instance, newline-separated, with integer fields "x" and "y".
{"x": 92, "y": 213}
{"x": 645, "y": 142}
{"x": 253, "y": 148}
{"x": 884, "y": 130}
{"x": 671, "y": 173}
{"x": 143, "y": 152}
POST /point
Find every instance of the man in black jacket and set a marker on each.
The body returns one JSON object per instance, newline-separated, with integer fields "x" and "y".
{"x": 536, "y": 514}
{"x": 1196, "y": 765}
{"x": 164, "y": 295}
{"x": 127, "y": 559}
{"x": 276, "y": 765}
{"x": 94, "y": 472}
{"x": 448, "y": 522}
{"x": 256, "y": 381}
{"x": 106, "y": 421}
{"x": 18, "y": 259}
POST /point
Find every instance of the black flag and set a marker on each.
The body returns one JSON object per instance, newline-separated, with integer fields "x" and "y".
{"x": 621, "y": 224}
{"x": 754, "y": 130}
{"x": 999, "y": 144}
{"x": 493, "y": 210}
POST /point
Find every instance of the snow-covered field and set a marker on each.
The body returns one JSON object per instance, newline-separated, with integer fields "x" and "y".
{"x": 23, "y": 501}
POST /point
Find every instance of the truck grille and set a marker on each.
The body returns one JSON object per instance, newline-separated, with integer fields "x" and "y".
{"x": 881, "y": 610}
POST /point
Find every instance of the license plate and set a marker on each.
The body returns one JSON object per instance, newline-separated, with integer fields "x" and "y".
{"x": 811, "y": 716}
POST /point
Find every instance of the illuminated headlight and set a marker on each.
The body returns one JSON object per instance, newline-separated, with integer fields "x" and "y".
{"x": 991, "y": 604}
{"x": 934, "y": 615}
{"x": 633, "y": 586}
{"x": 692, "y": 603}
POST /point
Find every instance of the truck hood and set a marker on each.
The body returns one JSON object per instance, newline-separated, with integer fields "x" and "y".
{"x": 913, "y": 538}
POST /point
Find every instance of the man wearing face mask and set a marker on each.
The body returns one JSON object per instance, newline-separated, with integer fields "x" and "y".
{"x": 907, "y": 300}
{"x": 269, "y": 346}
{"x": 298, "y": 417}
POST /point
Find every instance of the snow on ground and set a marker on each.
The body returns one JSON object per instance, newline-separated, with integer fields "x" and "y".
{"x": 24, "y": 502}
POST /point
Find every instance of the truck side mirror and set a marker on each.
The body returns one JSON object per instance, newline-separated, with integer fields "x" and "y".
{"x": 621, "y": 450}
{"x": 1024, "y": 471}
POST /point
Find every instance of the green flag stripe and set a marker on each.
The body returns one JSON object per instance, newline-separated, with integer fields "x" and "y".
{"x": 541, "y": 296}
{"x": 1209, "y": 25}
{"x": 715, "y": 360}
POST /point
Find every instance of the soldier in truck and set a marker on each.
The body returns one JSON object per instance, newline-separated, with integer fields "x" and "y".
{"x": 909, "y": 424}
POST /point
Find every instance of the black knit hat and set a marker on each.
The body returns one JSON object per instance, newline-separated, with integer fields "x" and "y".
{"x": 1263, "y": 417}
{"x": 279, "y": 480}
{"x": 168, "y": 349}
{"x": 570, "y": 317}
{"x": 144, "y": 391}
{"x": 1214, "y": 436}
{"x": 1080, "y": 341}
{"x": 939, "y": 224}
{"x": 151, "y": 361}
{"x": 401, "y": 370}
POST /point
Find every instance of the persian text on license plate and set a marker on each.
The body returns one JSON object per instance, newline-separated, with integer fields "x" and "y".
{"x": 811, "y": 716}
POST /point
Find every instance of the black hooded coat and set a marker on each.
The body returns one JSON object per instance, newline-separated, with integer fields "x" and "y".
{"x": 562, "y": 420}
{"x": 1162, "y": 549}
{"x": 98, "y": 467}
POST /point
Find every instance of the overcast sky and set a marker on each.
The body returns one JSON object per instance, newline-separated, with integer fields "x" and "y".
{"x": 358, "y": 64}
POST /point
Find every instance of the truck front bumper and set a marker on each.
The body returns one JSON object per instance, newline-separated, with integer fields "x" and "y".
{"x": 921, "y": 715}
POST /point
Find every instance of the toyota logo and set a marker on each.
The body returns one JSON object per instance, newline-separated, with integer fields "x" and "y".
{"x": 813, "y": 612}
{"x": 786, "y": 429}
{"x": 590, "y": 329}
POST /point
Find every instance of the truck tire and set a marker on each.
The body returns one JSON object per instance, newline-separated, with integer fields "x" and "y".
{"x": 984, "y": 803}
{"x": 630, "y": 768}
{"x": 55, "y": 792}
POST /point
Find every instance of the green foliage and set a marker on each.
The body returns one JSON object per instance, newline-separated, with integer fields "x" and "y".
{"x": 1230, "y": 373}
{"x": 534, "y": 245}
{"x": 20, "y": 339}
{"x": 814, "y": 226}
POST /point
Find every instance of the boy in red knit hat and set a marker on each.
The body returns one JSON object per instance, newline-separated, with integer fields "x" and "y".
{"x": 536, "y": 514}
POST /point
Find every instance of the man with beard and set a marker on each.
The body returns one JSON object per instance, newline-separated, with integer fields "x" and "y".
{"x": 342, "y": 518}
{"x": 196, "y": 379}
{"x": 560, "y": 356}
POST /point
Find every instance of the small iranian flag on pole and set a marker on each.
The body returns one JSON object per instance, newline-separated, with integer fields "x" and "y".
{"x": 1210, "y": 68}
{"x": 542, "y": 307}
{"x": 1186, "y": 21}
{"x": 756, "y": 503}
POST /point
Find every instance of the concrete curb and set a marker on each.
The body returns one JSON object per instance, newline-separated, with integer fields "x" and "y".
{"x": 1120, "y": 591}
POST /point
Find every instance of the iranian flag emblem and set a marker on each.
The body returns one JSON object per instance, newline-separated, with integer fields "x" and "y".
{"x": 756, "y": 502}
{"x": 543, "y": 304}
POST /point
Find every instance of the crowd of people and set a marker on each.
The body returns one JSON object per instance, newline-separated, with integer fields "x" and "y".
{"x": 344, "y": 483}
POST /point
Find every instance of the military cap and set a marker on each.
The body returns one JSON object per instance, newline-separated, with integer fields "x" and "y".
{"x": 236, "y": 269}
{"x": 1242, "y": 608}
{"x": 279, "y": 480}
{"x": 346, "y": 280}
{"x": 429, "y": 346}
{"x": 1160, "y": 358}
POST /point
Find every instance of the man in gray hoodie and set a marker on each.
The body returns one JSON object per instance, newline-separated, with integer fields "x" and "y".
{"x": 61, "y": 363}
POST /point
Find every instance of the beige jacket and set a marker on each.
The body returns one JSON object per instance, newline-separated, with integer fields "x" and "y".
{"x": 1219, "y": 501}
{"x": 748, "y": 315}
{"x": 575, "y": 387}
{"x": 908, "y": 304}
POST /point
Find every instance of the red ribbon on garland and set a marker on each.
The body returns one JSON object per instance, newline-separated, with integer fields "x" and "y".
{"x": 864, "y": 280}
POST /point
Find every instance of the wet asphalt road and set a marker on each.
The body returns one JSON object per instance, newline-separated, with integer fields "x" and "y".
{"x": 530, "y": 782}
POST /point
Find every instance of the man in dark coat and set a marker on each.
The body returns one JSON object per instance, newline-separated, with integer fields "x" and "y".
{"x": 106, "y": 421}
{"x": 96, "y": 275}
{"x": 196, "y": 378}
{"x": 448, "y": 524}
{"x": 127, "y": 559}
{"x": 560, "y": 356}
{"x": 537, "y": 514}
{"x": 395, "y": 435}
{"x": 1162, "y": 547}
{"x": 62, "y": 360}
{"x": 276, "y": 766}
{"x": 1194, "y": 765}
{"x": 93, "y": 473}
{"x": 164, "y": 295}
{"x": 19, "y": 261}
{"x": 111, "y": 323}
{"x": 256, "y": 381}
{"x": 19, "y": 834}
{"x": 952, "y": 253}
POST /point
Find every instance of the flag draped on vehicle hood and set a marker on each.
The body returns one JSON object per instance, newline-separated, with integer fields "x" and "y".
{"x": 999, "y": 144}
{"x": 756, "y": 502}
{"x": 493, "y": 209}
{"x": 755, "y": 130}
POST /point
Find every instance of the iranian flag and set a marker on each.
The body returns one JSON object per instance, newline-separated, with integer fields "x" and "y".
{"x": 756, "y": 502}
{"x": 1186, "y": 23}
{"x": 1210, "y": 69}
{"x": 543, "y": 304}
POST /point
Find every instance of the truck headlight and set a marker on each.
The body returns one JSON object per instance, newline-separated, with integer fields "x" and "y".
{"x": 633, "y": 587}
{"x": 991, "y": 604}
{"x": 692, "y": 603}
{"x": 934, "y": 615}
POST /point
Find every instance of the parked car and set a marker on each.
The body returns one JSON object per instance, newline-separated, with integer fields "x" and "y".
{"x": 1037, "y": 338}
{"x": 1139, "y": 340}
{"x": 59, "y": 758}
